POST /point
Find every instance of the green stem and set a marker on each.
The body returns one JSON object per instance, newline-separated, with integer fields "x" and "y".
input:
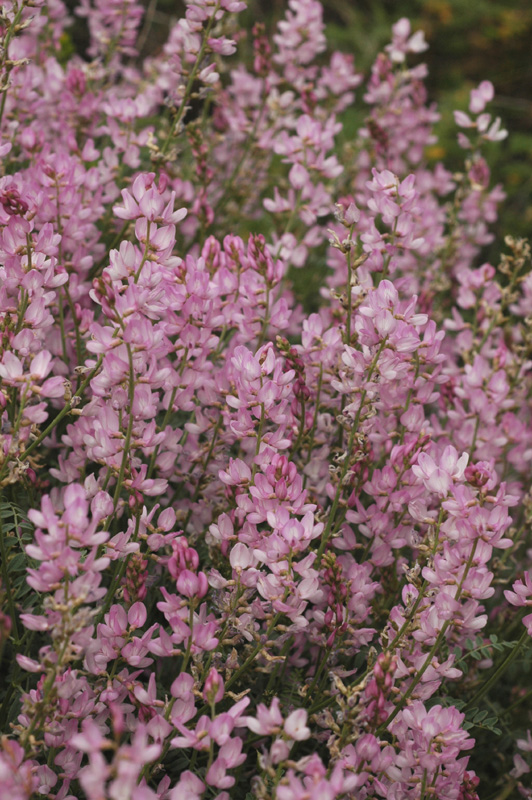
{"x": 5, "y": 48}
{"x": 23, "y": 307}
{"x": 64, "y": 411}
{"x": 228, "y": 185}
{"x": 40, "y": 714}
{"x": 334, "y": 508}
{"x": 273, "y": 675}
{"x": 259, "y": 438}
{"x": 164, "y": 423}
{"x": 423, "y": 784}
{"x": 314, "y": 421}
{"x": 79, "y": 349}
{"x": 97, "y": 268}
{"x": 147, "y": 769}
{"x": 119, "y": 571}
{"x": 145, "y": 254}
{"x": 474, "y": 439}
{"x": 434, "y": 649}
{"x": 266, "y": 320}
{"x": 203, "y": 470}
{"x": 498, "y": 672}
{"x": 349, "y": 293}
{"x": 192, "y": 77}
{"x": 301, "y": 431}
{"x": 62, "y": 325}
{"x": 6, "y": 582}
{"x": 319, "y": 671}
{"x": 251, "y": 658}
{"x": 127, "y": 442}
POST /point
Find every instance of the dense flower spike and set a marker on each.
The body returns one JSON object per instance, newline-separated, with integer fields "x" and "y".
{"x": 246, "y": 550}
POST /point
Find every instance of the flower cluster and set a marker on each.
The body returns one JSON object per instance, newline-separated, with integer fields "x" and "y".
{"x": 249, "y": 550}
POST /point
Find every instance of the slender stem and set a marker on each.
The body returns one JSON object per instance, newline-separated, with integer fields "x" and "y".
{"x": 314, "y": 421}
{"x": 334, "y": 508}
{"x": 79, "y": 349}
{"x": 203, "y": 470}
{"x": 319, "y": 671}
{"x": 349, "y": 293}
{"x": 11, "y": 30}
{"x": 97, "y": 268}
{"x": 164, "y": 423}
{"x": 228, "y": 185}
{"x": 518, "y": 702}
{"x": 5, "y": 580}
{"x": 259, "y": 437}
{"x": 186, "y": 657}
{"x": 120, "y": 568}
{"x": 266, "y": 320}
{"x": 125, "y": 454}
{"x": 62, "y": 325}
{"x": 145, "y": 254}
{"x": 498, "y": 672}
{"x": 192, "y": 77}
{"x": 434, "y": 649}
{"x": 64, "y": 411}
{"x": 273, "y": 675}
{"x": 251, "y": 658}
{"x": 147, "y": 769}
{"x": 474, "y": 439}
{"x": 504, "y": 793}
{"x": 423, "y": 784}
{"x": 147, "y": 26}
{"x": 295, "y": 446}
{"x": 40, "y": 713}
{"x": 23, "y": 306}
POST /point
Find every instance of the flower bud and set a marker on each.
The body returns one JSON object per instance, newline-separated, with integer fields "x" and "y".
{"x": 213, "y": 690}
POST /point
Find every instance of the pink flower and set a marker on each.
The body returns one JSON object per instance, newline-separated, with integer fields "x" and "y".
{"x": 522, "y": 596}
{"x": 189, "y": 787}
{"x": 295, "y": 725}
{"x": 480, "y": 96}
{"x": 90, "y": 740}
{"x": 213, "y": 691}
{"x": 439, "y": 479}
{"x": 191, "y": 585}
{"x": 10, "y": 368}
{"x": 267, "y": 721}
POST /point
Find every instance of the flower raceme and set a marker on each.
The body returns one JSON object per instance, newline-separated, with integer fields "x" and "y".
{"x": 246, "y": 548}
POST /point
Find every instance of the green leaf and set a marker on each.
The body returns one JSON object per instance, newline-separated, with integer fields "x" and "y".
{"x": 18, "y": 562}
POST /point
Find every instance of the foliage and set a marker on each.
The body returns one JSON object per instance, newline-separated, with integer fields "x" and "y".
{"x": 266, "y": 409}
